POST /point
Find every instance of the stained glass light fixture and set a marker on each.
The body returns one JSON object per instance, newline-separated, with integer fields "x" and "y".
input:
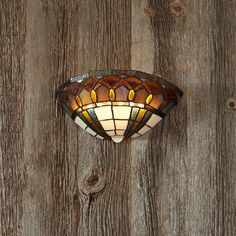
{"x": 117, "y": 104}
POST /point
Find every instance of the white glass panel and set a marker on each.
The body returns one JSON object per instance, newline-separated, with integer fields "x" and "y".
{"x": 120, "y": 132}
{"x": 135, "y": 135}
{"x": 144, "y": 130}
{"x": 121, "y": 112}
{"x": 108, "y": 124}
{"x": 111, "y": 133}
{"x": 121, "y": 124}
{"x": 100, "y": 104}
{"x": 103, "y": 113}
{"x": 90, "y": 131}
{"x": 117, "y": 138}
{"x": 153, "y": 120}
{"x": 79, "y": 122}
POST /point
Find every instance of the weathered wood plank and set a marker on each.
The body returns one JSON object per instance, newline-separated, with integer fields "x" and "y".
{"x": 160, "y": 162}
{"x": 142, "y": 58}
{"x": 47, "y": 155}
{"x": 201, "y": 130}
{"x": 12, "y": 90}
{"x": 225, "y": 83}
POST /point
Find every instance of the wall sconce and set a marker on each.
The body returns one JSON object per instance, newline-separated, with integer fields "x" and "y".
{"x": 117, "y": 104}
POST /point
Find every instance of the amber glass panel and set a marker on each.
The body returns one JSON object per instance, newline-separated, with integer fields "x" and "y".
{"x": 149, "y": 98}
{"x": 85, "y": 97}
{"x": 141, "y": 114}
{"x": 131, "y": 95}
{"x": 112, "y": 94}
{"x": 93, "y": 96}
{"x": 121, "y": 93}
{"x": 87, "y": 116}
{"x": 156, "y": 101}
{"x": 73, "y": 103}
{"x": 78, "y": 100}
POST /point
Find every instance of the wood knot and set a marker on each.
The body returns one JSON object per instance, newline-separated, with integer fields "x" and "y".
{"x": 94, "y": 182}
{"x": 231, "y": 103}
{"x": 178, "y": 9}
{"x": 149, "y": 11}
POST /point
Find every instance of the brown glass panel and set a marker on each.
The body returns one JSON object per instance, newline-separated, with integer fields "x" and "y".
{"x": 169, "y": 94}
{"x": 110, "y": 80}
{"x": 85, "y": 97}
{"x": 102, "y": 94}
{"x": 89, "y": 83}
{"x": 69, "y": 107}
{"x": 97, "y": 85}
{"x": 166, "y": 104}
{"x": 136, "y": 127}
{"x": 149, "y": 108}
{"x": 121, "y": 93}
{"x": 154, "y": 87}
{"x": 145, "y": 86}
{"x": 63, "y": 97}
{"x": 73, "y": 103}
{"x": 74, "y": 90}
{"x": 140, "y": 96}
{"x": 133, "y": 81}
{"x": 157, "y": 101}
{"x": 73, "y": 86}
{"x": 122, "y": 82}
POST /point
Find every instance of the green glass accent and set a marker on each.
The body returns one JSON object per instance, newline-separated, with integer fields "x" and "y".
{"x": 134, "y": 113}
{"x": 129, "y": 127}
{"x": 146, "y": 117}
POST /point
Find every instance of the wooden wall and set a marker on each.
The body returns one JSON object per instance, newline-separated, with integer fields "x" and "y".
{"x": 55, "y": 179}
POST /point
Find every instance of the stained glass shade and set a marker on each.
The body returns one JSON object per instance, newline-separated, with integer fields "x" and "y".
{"x": 117, "y": 104}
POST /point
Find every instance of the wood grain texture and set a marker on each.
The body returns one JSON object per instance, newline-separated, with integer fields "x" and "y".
{"x": 179, "y": 179}
{"x": 12, "y": 108}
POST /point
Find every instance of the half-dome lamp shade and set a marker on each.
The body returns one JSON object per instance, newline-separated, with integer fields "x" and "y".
{"x": 117, "y": 104}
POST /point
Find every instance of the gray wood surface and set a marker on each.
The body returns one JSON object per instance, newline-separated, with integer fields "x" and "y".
{"x": 179, "y": 179}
